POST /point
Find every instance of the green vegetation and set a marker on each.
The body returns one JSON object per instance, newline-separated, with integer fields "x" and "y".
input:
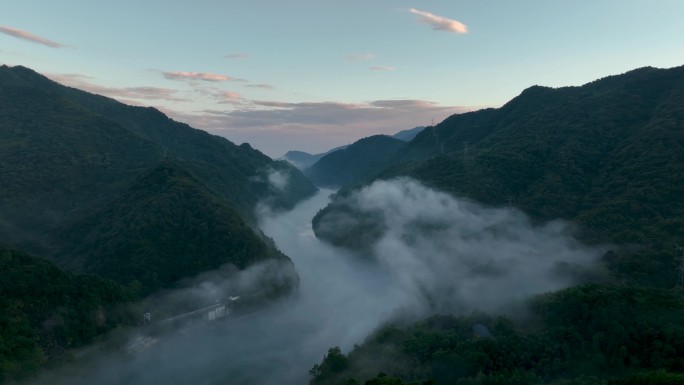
{"x": 126, "y": 193}
{"x": 355, "y": 162}
{"x": 589, "y": 334}
{"x": 65, "y": 152}
{"x": 161, "y": 229}
{"x": 82, "y": 185}
{"x": 609, "y": 156}
{"x": 45, "y": 311}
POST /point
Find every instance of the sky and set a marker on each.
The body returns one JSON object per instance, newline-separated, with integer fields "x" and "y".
{"x": 315, "y": 74}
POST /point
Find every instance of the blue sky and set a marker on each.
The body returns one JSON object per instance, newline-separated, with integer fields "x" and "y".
{"x": 312, "y": 75}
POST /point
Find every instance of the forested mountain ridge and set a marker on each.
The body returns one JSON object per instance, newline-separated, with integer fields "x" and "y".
{"x": 212, "y": 157}
{"x": 348, "y": 165}
{"x": 127, "y": 194}
{"x": 66, "y": 152}
{"x": 46, "y": 311}
{"x": 163, "y": 228}
{"x": 608, "y": 154}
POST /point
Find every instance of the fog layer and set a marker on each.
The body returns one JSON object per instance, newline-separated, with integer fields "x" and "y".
{"x": 439, "y": 254}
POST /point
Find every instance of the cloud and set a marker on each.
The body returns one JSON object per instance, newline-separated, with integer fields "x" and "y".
{"x": 382, "y": 68}
{"x": 260, "y": 85}
{"x": 440, "y": 23}
{"x": 123, "y": 94}
{"x": 237, "y": 56}
{"x": 272, "y": 126}
{"x": 361, "y": 57}
{"x": 203, "y": 76}
{"x": 230, "y": 97}
{"x": 451, "y": 255}
{"x": 28, "y": 36}
{"x": 440, "y": 254}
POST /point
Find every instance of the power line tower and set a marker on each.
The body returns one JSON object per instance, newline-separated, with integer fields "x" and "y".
{"x": 439, "y": 147}
{"x": 679, "y": 262}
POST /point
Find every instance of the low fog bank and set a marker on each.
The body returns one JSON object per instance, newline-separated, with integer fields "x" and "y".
{"x": 439, "y": 254}
{"x": 453, "y": 255}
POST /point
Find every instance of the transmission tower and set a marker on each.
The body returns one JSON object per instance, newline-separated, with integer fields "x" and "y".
{"x": 438, "y": 147}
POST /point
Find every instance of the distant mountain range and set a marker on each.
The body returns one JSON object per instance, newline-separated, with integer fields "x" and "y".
{"x": 358, "y": 160}
{"x": 303, "y": 160}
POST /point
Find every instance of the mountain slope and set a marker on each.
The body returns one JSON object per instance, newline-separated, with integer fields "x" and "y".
{"x": 355, "y": 162}
{"x": 227, "y": 168}
{"x": 125, "y": 192}
{"x": 46, "y": 311}
{"x": 408, "y": 135}
{"x": 163, "y": 228}
{"x": 609, "y": 154}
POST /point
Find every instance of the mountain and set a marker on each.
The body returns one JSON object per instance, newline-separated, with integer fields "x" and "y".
{"x": 164, "y": 227}
{"x": 408, "y": 135}
{"x": 355, "y": 162}
{"x": 608, "y": 155}
{"x": 46, "y": 311}
{"x": 300, "y": 159}
{"x": 303, "y": 160}
{"x": 72, "y": 164}
{"x": 589, "y": 334}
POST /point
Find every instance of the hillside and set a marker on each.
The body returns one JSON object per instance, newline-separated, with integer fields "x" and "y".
{"x": 163, "y": 228}
{"x": 46, "y": 311}
{"x": 65, "y": 152}
{"x": 360, "y": 159}
{"x": 609, "y": 155}
{"x": 303, "y": 160}
{"x": 408, "y": 135}
{"x": 583, "y": 335}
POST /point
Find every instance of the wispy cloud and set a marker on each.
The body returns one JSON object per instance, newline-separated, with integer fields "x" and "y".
{"x": 203, "y": 76}
{"x": 124, "y": 94}
{"x": 230, "y": 97}
{"x": 28, "y": 36}
{"x": 237, "y": 56}
{"x": 361, "y": 57}
{"x": 440, "y": 23}
{"x": 381, "y": 68}
{"x": 273, "y": 126}
{"x": 261, "y": 85}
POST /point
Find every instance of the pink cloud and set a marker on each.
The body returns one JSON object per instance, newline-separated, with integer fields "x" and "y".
{"x": 229, "y": 97}
{"x": 205, "y": 76}
{"x": 260, "y": 85}
{"x": 123, "y": 94}
{"x": 381, "y": 68}
{"x": 440, "y": 23}
{"x": 28, "y": 36}
{"x": 274, "y": 126}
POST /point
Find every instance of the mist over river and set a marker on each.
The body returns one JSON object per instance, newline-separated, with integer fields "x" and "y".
{"x": 480, "y": 256}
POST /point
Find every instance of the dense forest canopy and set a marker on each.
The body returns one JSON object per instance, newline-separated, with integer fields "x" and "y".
{"x": 608, "y": 156}
{"x": 99, "y": 187}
